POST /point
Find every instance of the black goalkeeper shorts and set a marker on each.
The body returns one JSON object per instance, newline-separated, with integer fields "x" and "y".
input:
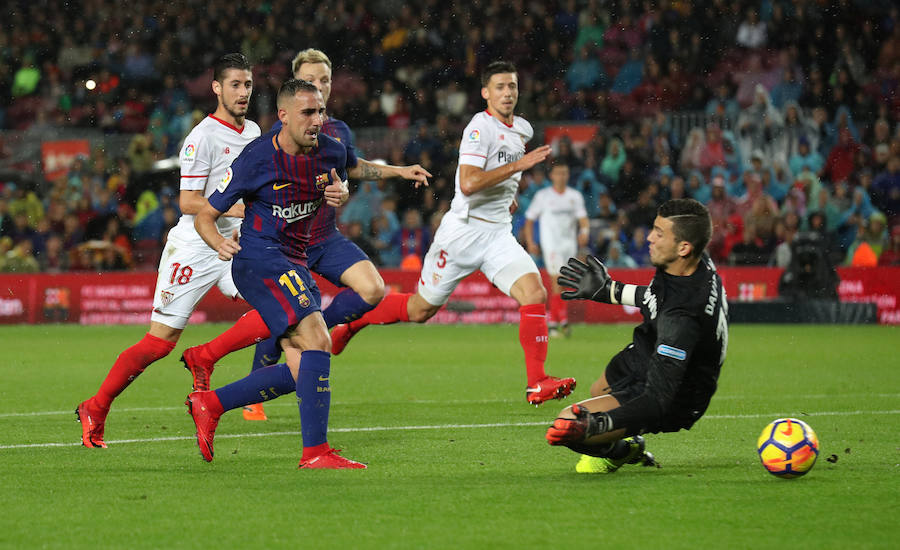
{"x": 626, "y": 375}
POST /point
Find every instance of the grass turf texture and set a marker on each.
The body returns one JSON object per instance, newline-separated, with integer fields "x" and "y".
{"x": 415, "y": 403}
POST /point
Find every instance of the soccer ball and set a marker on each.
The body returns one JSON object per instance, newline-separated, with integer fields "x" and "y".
{"x": 788, "y": 448}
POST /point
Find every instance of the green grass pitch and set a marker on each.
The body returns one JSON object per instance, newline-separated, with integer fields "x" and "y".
{"x": 457, "y": 459}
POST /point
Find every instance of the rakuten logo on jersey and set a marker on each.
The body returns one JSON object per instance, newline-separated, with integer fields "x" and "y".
{"x": 296, "y": 211}
{"x": 505, "y": 158}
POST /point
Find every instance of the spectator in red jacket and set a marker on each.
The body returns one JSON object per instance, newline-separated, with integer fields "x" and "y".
{"x": 840, "y": 162}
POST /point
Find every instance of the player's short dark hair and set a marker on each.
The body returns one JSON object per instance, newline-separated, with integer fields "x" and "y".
{"x": 690, "y": 222}
{"x": 293, "y": 85}
{"x": 496, "y": 67}
{"x": 230, "y": 61}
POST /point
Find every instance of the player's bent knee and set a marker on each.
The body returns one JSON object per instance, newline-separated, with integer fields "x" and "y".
{"x": 365, "y": 280}
{"x": 164, "y": 332}
{"x": 600, "y": 387}
{"x": 372, "y": 291}
{"x": 537, "y": 296}
{"x": 421, "y": 315}
{"x": 420, "y": 310}
{"x": 540, "y": 295}
{"x": 312, "y": 342}
{"x": 529, "y": 293}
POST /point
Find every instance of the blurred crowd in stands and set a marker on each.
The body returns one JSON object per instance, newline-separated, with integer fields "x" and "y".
{"x": 798, "y": 99}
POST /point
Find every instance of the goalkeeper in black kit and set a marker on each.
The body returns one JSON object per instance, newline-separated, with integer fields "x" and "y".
{"x": 664, "y": 379}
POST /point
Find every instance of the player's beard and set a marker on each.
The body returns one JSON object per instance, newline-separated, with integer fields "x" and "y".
{"x": 662, "y": 261}
{"x": 233, "y": 110}
{"x": 506, "y": 111}
{"x": 306, "y": 141}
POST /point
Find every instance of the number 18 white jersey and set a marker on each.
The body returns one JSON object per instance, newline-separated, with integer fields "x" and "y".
{"x": 208, "y": 151}
{"x": 488, "y": 144}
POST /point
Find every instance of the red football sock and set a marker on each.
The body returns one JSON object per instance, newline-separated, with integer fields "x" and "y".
{"x": 392, "y": 309}
{"x": 129, "y": 365}
{"x": 533, "y": 337}
{"x": 559, "y": 311}
{"x": 248, "y": 330}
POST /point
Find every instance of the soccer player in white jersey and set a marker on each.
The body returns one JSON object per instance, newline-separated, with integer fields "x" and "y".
{"x": 476, "y": 234}
{"x": 563, "y": 228}
{"x": 188, "y": 268}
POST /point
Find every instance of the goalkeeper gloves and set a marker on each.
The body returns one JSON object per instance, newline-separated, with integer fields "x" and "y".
{"x": 590, "y": 280}
{"x": 572, "y": 431}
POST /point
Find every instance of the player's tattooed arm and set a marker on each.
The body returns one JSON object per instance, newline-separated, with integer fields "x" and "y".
{"x": 366, "y": 170}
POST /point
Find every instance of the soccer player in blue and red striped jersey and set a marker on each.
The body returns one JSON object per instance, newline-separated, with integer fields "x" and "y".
{"x": 330, "y": 254}
{"x": 282, "y": 178}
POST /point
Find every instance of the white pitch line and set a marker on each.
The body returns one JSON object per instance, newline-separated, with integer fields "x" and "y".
{"x": 284, "y": 403}
{"x": 429, "y": 427}
{"x": 806, "y": 396}
{"x": 287, "y": 403}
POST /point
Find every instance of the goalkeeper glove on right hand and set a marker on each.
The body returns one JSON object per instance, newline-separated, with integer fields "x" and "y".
{"x": 590, "y": 280}
{"x": 572, "y": 431}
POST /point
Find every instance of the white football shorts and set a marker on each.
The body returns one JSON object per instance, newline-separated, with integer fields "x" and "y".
{"x": 461, "y": 247}
{"x": 186, "y": 274}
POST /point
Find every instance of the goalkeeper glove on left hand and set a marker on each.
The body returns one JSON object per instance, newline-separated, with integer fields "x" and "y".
{"x": 590, "y": 280}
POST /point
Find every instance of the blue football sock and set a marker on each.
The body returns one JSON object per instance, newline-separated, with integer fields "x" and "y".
{"x": 345, "y": 307}
{"x": 314, "y": 396}
{"x": 260, "y": 385}
{"x": 266, "y": 353}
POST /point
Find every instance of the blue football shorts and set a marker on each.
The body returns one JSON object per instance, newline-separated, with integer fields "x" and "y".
{"x": 331, "y": 257}
{"x": 281, "y": 291}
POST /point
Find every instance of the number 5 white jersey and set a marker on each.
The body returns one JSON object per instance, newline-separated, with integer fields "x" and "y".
{"x": 488, "y": 143}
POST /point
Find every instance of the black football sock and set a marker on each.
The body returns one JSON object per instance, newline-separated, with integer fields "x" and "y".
{"x": 599, "y": 450}
{"x": 619, "y": 450}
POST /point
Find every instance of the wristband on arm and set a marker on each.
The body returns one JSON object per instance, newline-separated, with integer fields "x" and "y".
{"x": 623, "y": 294}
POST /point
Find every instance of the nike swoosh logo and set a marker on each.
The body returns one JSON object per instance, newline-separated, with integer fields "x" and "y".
{"x": 323, "y": 378}
{"x": 789, "y": 430}
{"x": 536, "y": 389}
{"x": 276, "y": 187}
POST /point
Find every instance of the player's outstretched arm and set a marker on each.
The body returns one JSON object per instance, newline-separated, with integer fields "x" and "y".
{"x": 205, "y": 224}
{"x": 591, "y": 281}
{"x": 473, "y": 179}
{"x": 365, "y": 170}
